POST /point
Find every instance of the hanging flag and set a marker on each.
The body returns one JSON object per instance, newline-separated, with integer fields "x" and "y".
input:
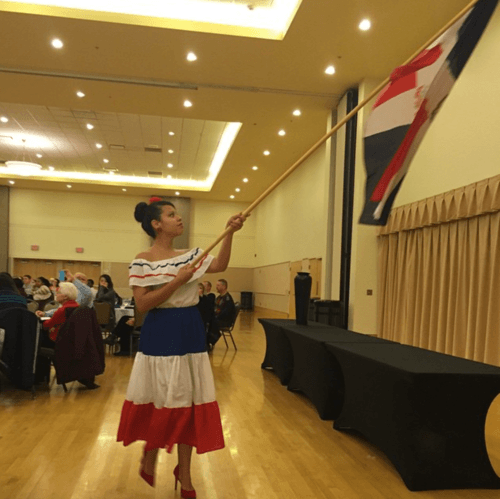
{"x": 405, "y": 108}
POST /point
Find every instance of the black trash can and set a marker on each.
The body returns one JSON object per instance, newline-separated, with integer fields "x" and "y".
{"x": 246, "y": 300}
{"x": 327, "y": 312}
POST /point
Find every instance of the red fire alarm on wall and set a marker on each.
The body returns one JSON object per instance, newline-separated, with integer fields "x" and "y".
{"x": 79, "y": 250}
{"x": 35, "y": 247}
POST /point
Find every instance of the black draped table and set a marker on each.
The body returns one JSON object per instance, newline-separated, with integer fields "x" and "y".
{"x": 299, "y": 358}
{"x": 425, "y": 410}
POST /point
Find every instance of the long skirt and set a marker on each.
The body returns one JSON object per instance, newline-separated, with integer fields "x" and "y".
{"x": 171, "y": 395}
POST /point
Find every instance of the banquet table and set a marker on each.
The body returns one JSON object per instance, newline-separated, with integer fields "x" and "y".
{"x": 120, "y": 312}
{"x": 425, "y": 410}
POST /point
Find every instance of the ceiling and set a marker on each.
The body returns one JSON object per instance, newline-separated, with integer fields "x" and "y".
{"x": 136, "y": 79}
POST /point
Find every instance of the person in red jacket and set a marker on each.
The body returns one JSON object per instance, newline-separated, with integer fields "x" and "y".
{"x": 66, "y": 295}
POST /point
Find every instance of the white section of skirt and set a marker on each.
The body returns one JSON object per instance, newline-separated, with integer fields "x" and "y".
{"x": 172, "y": 382}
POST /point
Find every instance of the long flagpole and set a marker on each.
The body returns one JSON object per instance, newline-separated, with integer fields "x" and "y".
{"x": 342, "y": 122}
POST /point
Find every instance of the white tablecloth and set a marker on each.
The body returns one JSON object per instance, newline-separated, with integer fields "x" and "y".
{"x": 120, "y": 312}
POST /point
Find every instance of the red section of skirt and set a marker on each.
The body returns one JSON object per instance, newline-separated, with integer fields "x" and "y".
{"x": 198, "y": 426}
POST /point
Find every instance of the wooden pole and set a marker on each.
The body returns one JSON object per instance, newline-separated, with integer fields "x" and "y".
{"x": 323, "y": 139}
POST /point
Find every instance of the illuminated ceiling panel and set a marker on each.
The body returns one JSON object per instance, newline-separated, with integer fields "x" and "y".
{"x": 269, "y": 19}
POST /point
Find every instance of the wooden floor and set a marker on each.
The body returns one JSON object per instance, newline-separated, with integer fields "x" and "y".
{"x": 62, "y": 446}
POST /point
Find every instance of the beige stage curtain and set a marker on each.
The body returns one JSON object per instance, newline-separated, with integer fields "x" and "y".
{"x": 439, "y": 268}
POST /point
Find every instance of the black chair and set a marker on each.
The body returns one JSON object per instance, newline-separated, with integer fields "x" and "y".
{"x": 20, "y": 346}
{"x": 32, "y": 305}
{"x": 228, "y": 330}
{"x": 51, "y": 305}
{"x": 104, "y": 318}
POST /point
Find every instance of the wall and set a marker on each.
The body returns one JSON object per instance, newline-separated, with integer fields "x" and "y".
{"x": 104, "y": 226}
{"x": 4, "y": 228}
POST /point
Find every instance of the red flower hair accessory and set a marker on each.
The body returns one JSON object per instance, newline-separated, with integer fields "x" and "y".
{"x": 154, "y": 199}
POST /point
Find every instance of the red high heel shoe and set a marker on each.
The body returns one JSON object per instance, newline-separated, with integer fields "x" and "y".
{"x": 149, "y": 479}
{"x": 185, "y": 494}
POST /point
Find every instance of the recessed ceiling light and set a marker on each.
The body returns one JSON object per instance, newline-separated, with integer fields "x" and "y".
{"x": 282, "y": 132}
{"x": 106, "y": 160}
{"x": 99, "y": 146}
{"x": 255, "y": 167}
{"x": 89, "y": 126}
{"x": 170, "y": 165}
{"x": 57, "y": 44}
{"x": 38, "y": 155}
{"x": 187, "y": 103}
{"x": 297, "y": 112}
{"x": 51, "y": 168}
{"x": 124, "y": 190}
{"x": 245, "y": 180}
{"x": 4, "y": 119}
{"x": 365, "y": 25}
{"x": 330, "y": 70}
{"x": 11, "y": 182}
{"x": 68, "y": 186}
{"x": 80, "y": 94}
{"x": 237, "y": 189}
{"x": 177, "y": 193}
{"x": 171, "y": 133}
{"x": 266, "y": 153}
{"x": 231, "y": 196}
{"x": 170, "y": 151}
{"x": 191, "y": 56}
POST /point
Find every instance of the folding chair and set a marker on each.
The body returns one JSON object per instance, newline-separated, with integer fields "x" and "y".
{"x": 228, "y": 330}
{"x": 51, "y": 305}
{"x": 32, "y": 305}
{"x": 104, "y": 318}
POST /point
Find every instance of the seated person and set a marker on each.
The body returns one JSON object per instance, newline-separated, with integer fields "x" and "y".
{"x": 224, "y": 305}
{"x": 206, "y": 309}
{"x": 121, "y": 334}
{"x": 20, "y": 287}
{"x": 9, "y": 294}
{"x": 54, "y": 284}
{"x": 41, "y": 292}
{"x": 66, "y": 296}
{"x": 90, "y": 284}
{"x": 107, "y": 294}
{"x": 28, "y": 284}
{"x": 208, "y": 292}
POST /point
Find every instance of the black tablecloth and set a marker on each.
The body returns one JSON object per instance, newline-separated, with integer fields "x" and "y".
{"x": 424, "y": 409}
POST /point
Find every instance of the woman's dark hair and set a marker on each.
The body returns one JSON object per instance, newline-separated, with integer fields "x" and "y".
{"x": 7, "y": 283}
{"x": 146, "y": 213}
{"x": 107, "y": 278}
{"x": 90, "y": 283}
{"x": 19, "y": 285}
{"x": 44, "y": 281}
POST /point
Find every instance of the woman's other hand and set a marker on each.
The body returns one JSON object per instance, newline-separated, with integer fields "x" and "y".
{"x": 39, "y": 313}
{"x": 185, "y": 274}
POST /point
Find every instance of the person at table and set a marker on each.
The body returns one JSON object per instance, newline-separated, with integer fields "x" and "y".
{"x": 107, "y": 294}
{"x": 121, "y": 334}
{"x": 10, "y": 296}
{"x": 54, "y": 284}
{"x": 171, "y": 395}
{"x": 224, "y": 305}
{"x": 84, "y": 296}
{"x": 28, "y": 284}
{"x": 41, "y": 292}
{"x": 66, "y": 296}
{"x": 90, "y": 284}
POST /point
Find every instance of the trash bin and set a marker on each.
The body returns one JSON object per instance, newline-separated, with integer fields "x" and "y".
{"x": 327, "y": 312}
{"x": 246, "y": 300}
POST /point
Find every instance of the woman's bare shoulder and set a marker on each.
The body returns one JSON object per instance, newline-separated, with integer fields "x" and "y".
{"x": 145, "y": 255}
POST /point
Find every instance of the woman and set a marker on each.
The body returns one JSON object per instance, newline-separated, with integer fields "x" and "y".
{"x": 107, "y": 294}
{"x": 54, "y": 284}
{"x": 9, "y": 294}
{"x": 41, "y": 292}
{"x": 171, "y": 397}
{"x": 66, "y": 295}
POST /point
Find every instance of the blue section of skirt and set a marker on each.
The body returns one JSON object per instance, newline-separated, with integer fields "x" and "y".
{"x": 173, "y": 331}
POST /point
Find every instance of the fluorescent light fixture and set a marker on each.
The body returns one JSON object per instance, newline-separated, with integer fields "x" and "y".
{"x": 191, "y": 57}
{"x": 89, "y": 126}
{"x": 57, "y": 44}
{"x": 23, "y": 168}
{"x": 80, "y": 94}
{"x": 365, "y": 25}
{"x": 188, "y": 103}
{"x": 269, "y": 20}
{"x": 4, "y": 119}
{"x": 330, "y": 70}
{"x": 297, "y": 112}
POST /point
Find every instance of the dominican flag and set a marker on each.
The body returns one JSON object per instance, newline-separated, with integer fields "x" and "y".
{"x": 404, "y": 109}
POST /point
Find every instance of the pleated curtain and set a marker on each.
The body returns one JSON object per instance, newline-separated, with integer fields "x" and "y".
{"x": 439, "y": 270}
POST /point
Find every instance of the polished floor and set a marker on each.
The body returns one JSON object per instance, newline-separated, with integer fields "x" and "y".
{"x": 62, "y": 446}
